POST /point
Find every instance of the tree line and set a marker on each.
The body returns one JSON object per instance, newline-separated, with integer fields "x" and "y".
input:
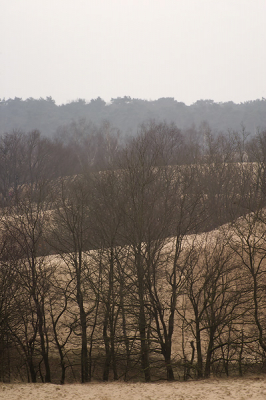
{"x": 136, "y": 260}
{"x": 126, "y": 114}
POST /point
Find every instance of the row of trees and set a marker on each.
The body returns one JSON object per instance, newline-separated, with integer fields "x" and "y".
{"x": 126, "y": 113}
{"x": 114, "y": 273}
{"x": 80, "y": 146}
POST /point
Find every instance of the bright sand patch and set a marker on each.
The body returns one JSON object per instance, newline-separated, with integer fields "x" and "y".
{"x": 213, "y": 389}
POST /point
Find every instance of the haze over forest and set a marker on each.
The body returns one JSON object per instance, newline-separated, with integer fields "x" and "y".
{"x": 127, "y": 114}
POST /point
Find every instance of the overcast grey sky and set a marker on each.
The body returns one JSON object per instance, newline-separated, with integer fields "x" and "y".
{"x": 186, "y": 49}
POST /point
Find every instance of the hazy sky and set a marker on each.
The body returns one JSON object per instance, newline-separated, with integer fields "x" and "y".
{"x": 186, "y": 49}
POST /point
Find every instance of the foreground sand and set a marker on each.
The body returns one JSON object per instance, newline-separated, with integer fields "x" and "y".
{"x": 213, "y": 389}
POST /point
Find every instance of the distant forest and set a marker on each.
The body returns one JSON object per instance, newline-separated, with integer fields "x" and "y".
{"x": 126, "y": 114}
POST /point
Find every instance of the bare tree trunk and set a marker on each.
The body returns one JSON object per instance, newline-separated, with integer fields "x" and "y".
{"x": 84, "y": 348}
{"x": 199, "y": 353}
{"x": 207, "y": 370}
{"x": 144, "y": 346}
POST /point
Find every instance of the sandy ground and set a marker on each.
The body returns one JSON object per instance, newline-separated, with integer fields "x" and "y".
{"x": 213, "y": 389}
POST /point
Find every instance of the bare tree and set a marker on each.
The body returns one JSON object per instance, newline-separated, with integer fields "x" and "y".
{"x": 162, "y": 201}
{"x": 213, "y": 286}
{"x": 249, "y": 245}
{"x": 24, "y": 225}
{"x": 12, "y": 165}
{"x": 70, "y": 237}
{"x": 8, "y": 291}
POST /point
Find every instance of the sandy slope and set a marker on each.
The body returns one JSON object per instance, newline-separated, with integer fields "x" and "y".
{"x": 213, "y": 389}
